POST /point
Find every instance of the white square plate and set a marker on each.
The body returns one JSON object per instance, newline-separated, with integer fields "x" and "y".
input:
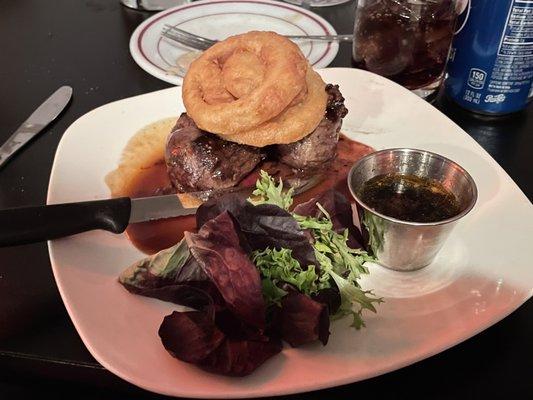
{"x": 484, "y": 272}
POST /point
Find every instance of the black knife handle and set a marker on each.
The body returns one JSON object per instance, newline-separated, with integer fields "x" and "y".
{"x": 35, "y": 224}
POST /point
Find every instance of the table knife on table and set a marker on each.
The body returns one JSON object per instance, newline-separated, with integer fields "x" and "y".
{"x": 34, "y": 224}
{"x": 36, "y": 122}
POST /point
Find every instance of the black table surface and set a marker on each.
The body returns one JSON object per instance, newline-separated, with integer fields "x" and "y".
{"x": 84, "y": 44}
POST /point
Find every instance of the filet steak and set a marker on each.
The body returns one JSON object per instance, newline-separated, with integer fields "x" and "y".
{"x": 319, "y": 147}
{"x": 199, "y": 161}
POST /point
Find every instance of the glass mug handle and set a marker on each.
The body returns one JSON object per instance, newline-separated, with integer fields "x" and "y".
{"x": 461, "y": 5}
{"x": 152, "y": 5}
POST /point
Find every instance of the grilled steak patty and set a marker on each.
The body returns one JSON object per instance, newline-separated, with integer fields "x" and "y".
{"x": 320, "y": 146}
{"x": 198, "y": 160}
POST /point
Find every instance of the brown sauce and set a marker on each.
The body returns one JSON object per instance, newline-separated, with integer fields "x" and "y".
{"x": 150, "y": 237}
{"x": 409, "y": 198}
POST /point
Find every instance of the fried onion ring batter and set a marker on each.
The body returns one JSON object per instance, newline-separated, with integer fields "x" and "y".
{"x": 256, "y": 89}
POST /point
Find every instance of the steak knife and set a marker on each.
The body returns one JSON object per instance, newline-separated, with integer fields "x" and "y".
{"x": 34, "y": 224}
{"x": 36, "y": 122}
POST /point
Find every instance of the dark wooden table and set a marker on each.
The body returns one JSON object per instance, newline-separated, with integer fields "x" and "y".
{"x": 84, "y": 44}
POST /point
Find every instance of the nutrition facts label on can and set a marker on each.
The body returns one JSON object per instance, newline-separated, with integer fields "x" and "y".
{"x": 492, "y": 68}
{"x": 513, "y": 66}
{"x": 517, "y": 40}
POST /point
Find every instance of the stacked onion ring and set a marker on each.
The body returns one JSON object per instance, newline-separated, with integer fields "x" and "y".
{"x": 256, "y": 89}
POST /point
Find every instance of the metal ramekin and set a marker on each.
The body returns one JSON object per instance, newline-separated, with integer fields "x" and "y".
{"x": 403, "y": 245}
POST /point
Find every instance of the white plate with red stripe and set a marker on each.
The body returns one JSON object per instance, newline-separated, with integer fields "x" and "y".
{"x": 219, "y": 19}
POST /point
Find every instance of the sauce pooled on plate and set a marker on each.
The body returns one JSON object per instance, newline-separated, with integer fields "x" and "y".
{"x": 152, "y": 236}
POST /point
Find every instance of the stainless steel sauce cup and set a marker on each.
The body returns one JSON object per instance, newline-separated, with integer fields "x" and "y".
{"x": 404, "y": 245}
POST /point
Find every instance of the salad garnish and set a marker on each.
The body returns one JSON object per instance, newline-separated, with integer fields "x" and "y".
{"x": 257, "y": 273}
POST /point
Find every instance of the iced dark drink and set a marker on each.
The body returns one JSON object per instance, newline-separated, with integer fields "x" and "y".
{"x": 406, "y": 41}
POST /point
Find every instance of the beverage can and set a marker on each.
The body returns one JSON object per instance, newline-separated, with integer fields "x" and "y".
{"x": 490, "y": 69}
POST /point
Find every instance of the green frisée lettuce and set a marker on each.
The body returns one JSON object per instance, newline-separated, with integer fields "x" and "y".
{"x": 339, "y": 265}
{"x": 278, "y": 267}
{"x": 267, "y": 192}
{"x": 353, "y": 300}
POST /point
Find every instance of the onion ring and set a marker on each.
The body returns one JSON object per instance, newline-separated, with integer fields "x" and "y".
{"x": 283, "y": 80}
{"x": 294, "y": 123}
{"x": 256, "y": 88}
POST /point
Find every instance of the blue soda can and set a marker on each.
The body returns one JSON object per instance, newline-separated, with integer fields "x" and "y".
{"x": 490, "y": 69}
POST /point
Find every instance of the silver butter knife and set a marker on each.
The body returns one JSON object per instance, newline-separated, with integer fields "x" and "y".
{"x": 41, "y": 117}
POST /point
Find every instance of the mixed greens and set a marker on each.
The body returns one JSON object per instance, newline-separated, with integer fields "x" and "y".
{"x": 257, "y": 273}
{"x": 338, "y": 264}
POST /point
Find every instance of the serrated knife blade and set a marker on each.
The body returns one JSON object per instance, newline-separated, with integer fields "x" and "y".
{"x": 157, "y": 207}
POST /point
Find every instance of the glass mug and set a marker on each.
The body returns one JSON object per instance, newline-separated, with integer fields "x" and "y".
{"x": 407, "y": 41}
